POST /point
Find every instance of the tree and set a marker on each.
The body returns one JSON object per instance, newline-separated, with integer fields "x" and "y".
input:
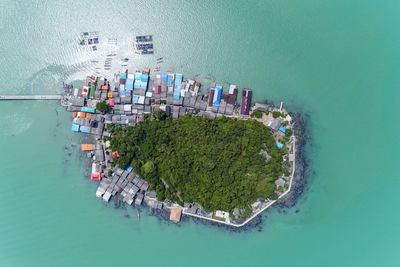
{"x": 103, "y": 106}
{"x": 214, "y": 162}
{"x": 276, "y": 114}
{"x": 267, "y": 112}
{"x": 256, "y": 113}
{"x": 160, "y": 115}
{"x": 148, "y": 167}
{"x": 274, "y": 196}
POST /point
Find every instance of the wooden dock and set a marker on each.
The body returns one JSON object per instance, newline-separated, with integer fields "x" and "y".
{"x": 31, "y": 97}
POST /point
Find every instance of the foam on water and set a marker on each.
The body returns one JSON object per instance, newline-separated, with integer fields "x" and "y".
{"x": 16, "y": 124}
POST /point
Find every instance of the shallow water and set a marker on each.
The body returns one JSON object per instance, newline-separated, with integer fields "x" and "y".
{"x": 337, "y": 61}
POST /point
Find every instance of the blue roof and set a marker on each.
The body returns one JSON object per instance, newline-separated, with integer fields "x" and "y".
{"x": 75, "y": 127}
{"x": 282, "y": 129}
{"x": 129, "y": 169}
{"x": 138, "y": 76}
{"x": 89, "y": 110}
{"x": 145, "y": 77}
{"x": 122, "y": 93}
{"x": 129, "y": 84}
{"x": 177, "y": 87}
{"x": 135, "y": 99}
{"x": 279, "y": 145}
{"x": 164, "y": 76}
{"x": 217, "y": 97}
{"x": 123, "y": 75}
{"x": 137, "y": 84}
{"x": 84, "y": 129}
{"x": 143, "y": 85}
{"x": 169, "y": 80}
{"x": 178, "y": 77}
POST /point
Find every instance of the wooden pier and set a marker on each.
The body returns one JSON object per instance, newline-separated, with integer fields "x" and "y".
{"x": 31, "y": 97}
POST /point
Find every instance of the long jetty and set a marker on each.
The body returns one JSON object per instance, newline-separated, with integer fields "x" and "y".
{"x": 31, "y": 97}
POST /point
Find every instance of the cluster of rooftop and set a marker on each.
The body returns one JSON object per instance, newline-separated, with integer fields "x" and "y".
{"x": 131, "y": 96}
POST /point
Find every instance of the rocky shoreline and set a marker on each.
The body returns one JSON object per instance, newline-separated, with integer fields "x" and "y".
{"x": 299, "y": 182}
{"x": 299, "y": 186}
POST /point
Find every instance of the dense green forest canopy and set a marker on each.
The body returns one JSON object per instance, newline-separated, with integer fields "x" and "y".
{"x": 214, "y": 162}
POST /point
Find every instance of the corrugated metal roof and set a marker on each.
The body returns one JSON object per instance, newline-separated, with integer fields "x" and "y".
{"x": 75, "y": 127}
{"x": 217, "y": 96}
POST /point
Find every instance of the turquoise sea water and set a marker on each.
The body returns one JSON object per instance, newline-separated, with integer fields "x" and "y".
{"x": 335, "y": 60}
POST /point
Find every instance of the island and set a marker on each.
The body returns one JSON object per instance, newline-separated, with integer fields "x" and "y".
{"x": 163, "y": 142}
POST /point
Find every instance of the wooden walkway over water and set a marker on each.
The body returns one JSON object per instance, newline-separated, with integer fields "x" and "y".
{"x": 31, "y": 97}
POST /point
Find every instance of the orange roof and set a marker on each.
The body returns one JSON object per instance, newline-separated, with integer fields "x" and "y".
{"x": 175, "y": 214}
{"x": 109, "y": 94}
{"x": 81, "y": 114}
{"x": 74, "y": 115}
{"x": 88, "y": 115}
{"x": 86, "y": 147}
{"x": 104, "y": 87}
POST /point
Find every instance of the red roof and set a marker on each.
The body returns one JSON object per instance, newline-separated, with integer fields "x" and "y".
{"x": 232, "y": 97}
{"x": 115, "y": 154}
{"x": 246, "y": 101}
{"x": 211, "y": 97}
{"x": 158, "y": 89}
{"x": 224, "y": 97}
{"x": 95, "y": 176}
{"x": 112, "y": 102}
